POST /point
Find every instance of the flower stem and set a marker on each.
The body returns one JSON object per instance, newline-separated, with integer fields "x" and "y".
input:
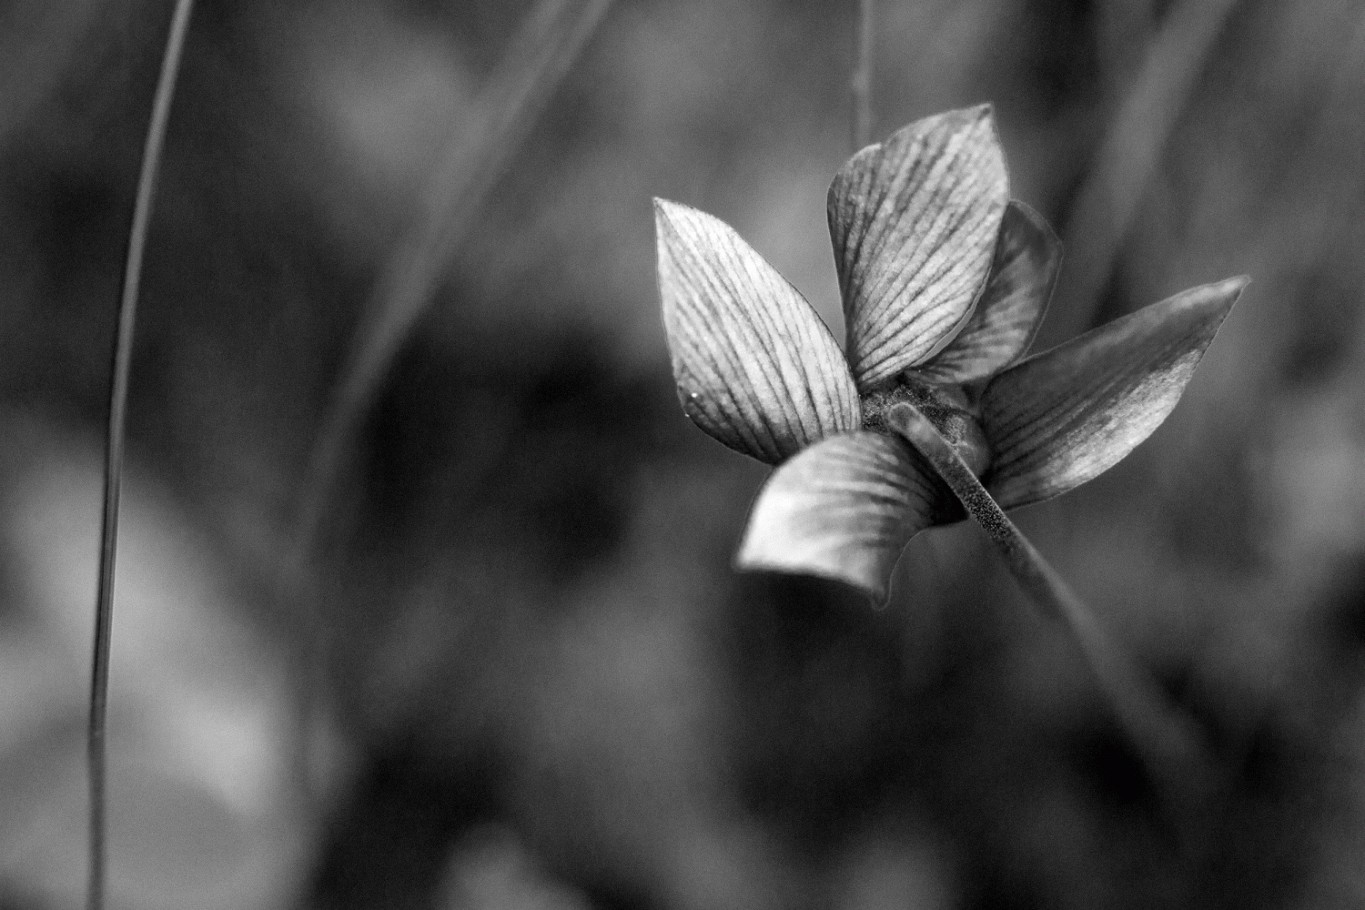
{"x": 861, "y": 83}
{"x": 1167, "y": 740}
{"x": 120, "y": 373}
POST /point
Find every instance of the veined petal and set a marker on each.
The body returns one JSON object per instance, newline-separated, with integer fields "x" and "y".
{"x": 914, "y": 222}
{"x": 1065, "y": 416}
{"x": 843, "y": 509}
{"x": 755, "y": 365}
{"x": 1023, "y": 273}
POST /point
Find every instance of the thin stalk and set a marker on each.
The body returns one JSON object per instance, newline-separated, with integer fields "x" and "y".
{"x": 547, "y": 43}
{"x": 1166, "y": 739}
{"x": 864, "y": 53}
{"x": 1129, "y": 156}
{"x": 120, "y": 373}
{"x": 546, "y": 46}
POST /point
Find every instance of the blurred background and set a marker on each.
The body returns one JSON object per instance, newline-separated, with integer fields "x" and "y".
{"x": 506, "y": 663}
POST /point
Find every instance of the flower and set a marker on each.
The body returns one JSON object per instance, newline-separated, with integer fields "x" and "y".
{"x": 944, "y": 281}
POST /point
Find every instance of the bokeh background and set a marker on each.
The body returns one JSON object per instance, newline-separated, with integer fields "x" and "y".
{"x": 510, "y": 666}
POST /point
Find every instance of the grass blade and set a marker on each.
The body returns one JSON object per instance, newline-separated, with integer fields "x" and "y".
{"x": 1108, "y": 201}
{"x": 546, "y": 46}
{"x": 120, "y": 373}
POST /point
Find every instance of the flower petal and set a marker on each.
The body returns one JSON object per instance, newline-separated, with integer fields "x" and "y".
{"x": 844, "y": 509}
{"x": 755, "y": 365}
{"x": 914, "y": 222}
{"x": 1027, "y": 257}
{"x": 1065, "y": 416}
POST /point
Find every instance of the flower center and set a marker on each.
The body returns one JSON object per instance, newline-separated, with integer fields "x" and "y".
{"x": 948, "y": 408}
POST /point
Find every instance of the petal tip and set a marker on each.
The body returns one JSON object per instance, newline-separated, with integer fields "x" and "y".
{"x": 976, "y": 117}
{"x": 1216, "y": 298}
{"x": 1232, "y": 287}
{"x": 666, "y": 210}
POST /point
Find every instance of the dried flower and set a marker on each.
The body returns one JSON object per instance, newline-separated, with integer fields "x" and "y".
{"x": 944, "y": 281}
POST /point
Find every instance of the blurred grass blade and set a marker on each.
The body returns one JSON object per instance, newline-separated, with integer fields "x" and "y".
{"x": 538, "y": 58}
{"x": 1129, "y": 155}
{"x": 120, "y": 376}
{"x": 756, "y": 367}
{"x": 843, "y": 509}
{"x": 477, "y": 154}
{"x": 1027, "y": 257}
{"x": 1067, "y": 415}
{"x": 914, "y": 221}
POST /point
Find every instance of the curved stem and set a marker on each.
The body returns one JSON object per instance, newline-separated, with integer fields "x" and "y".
{"x": 120, "y": 373}
{"x": 1166, "y": 739}
{"x": 1108, "y": 201}
{"x": 861, "y": 83}
{"x": 547, "y": 43}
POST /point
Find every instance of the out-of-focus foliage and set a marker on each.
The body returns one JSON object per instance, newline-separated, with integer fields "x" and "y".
{"x": 542, "y": 684}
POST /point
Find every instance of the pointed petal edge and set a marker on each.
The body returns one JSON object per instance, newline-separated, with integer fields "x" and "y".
{"x": 914, "y": 222}
{"x": 1067, "y": 415}
{"x": 756, "y": 367}
{"x": 1028, "y": 258}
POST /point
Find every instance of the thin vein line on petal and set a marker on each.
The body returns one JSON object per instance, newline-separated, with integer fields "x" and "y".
{"x": 765, "y": 374}
{"x": 855, "y": 205}
{"x": 803, "y": 365}
{"x": 781, "y": 362}
{"x": 882, "y": 198}
{"x": 905, "y": 229}
{"x": 954, "y": 277}
{"x": 895, "y": 200}
{"x": 723, "y": 363}
{"x": 1061, "y": 416}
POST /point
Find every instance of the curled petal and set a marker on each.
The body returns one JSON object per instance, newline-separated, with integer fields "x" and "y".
{"x": 1023, "y": 274}
{"x": 1067, "y": 415}
{"x": 843, "y": 509}
{"x": 914, "y": 222}
{"x": 756, "y": 367}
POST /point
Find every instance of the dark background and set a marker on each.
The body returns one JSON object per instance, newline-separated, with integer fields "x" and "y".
{"x": 515, "y": 668}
